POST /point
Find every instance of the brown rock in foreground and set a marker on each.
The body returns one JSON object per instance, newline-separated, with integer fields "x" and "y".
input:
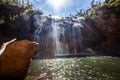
{"x": 15, "y": 60}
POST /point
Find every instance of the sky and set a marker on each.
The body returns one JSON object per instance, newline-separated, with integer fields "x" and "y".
{"x": 61, "y": 8}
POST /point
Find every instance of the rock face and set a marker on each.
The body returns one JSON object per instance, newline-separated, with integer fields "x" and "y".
{"x": 15, "y": 60}
{"x": 110, "y": 27}
{"x": 107, "y": 20}
{"x": 44, "y": 35}
{"x": 71, "y": 35}
{"x": 91, "y": 33}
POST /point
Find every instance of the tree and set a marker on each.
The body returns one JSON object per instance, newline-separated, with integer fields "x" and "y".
{"x": 11, "y": 9}
{"x": 92, "y": 3}
{"x": 22, "y": 2}
{"x": 80, "y": 13}
{"x": 106, "y": 1}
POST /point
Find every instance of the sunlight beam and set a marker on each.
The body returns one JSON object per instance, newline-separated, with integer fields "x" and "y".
{"x": 56, "y": 4}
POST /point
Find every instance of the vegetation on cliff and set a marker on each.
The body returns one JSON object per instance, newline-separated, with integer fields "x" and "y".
{"x": 12, "y": 10}
{"x": 104, "y": 9}
{"x": 11, "y": 18}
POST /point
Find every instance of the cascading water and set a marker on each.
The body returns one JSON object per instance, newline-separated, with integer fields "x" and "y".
{"x": 55, "y": 34}
{"x": 56, "y": 39}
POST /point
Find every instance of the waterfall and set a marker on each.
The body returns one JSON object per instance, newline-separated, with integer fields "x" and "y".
{"x": 37, "y": 32}
{"x": 54, "y": 38}
{"x": 55, "y": 34}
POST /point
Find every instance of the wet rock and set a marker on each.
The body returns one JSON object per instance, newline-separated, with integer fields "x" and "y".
{"x": 15, "y": 60}
{"x": 45, "y": 36}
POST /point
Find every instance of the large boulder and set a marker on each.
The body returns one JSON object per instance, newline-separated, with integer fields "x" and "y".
{"x": 15, "y": 60}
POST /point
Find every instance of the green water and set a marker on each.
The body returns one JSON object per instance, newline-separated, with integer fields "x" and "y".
{"x": 90, "y": 68}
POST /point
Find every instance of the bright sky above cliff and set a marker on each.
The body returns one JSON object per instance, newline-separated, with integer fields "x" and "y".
{"x": 61, "y": 7}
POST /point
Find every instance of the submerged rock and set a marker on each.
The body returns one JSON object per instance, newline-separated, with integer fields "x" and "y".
{"x": 15, "y": 60}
